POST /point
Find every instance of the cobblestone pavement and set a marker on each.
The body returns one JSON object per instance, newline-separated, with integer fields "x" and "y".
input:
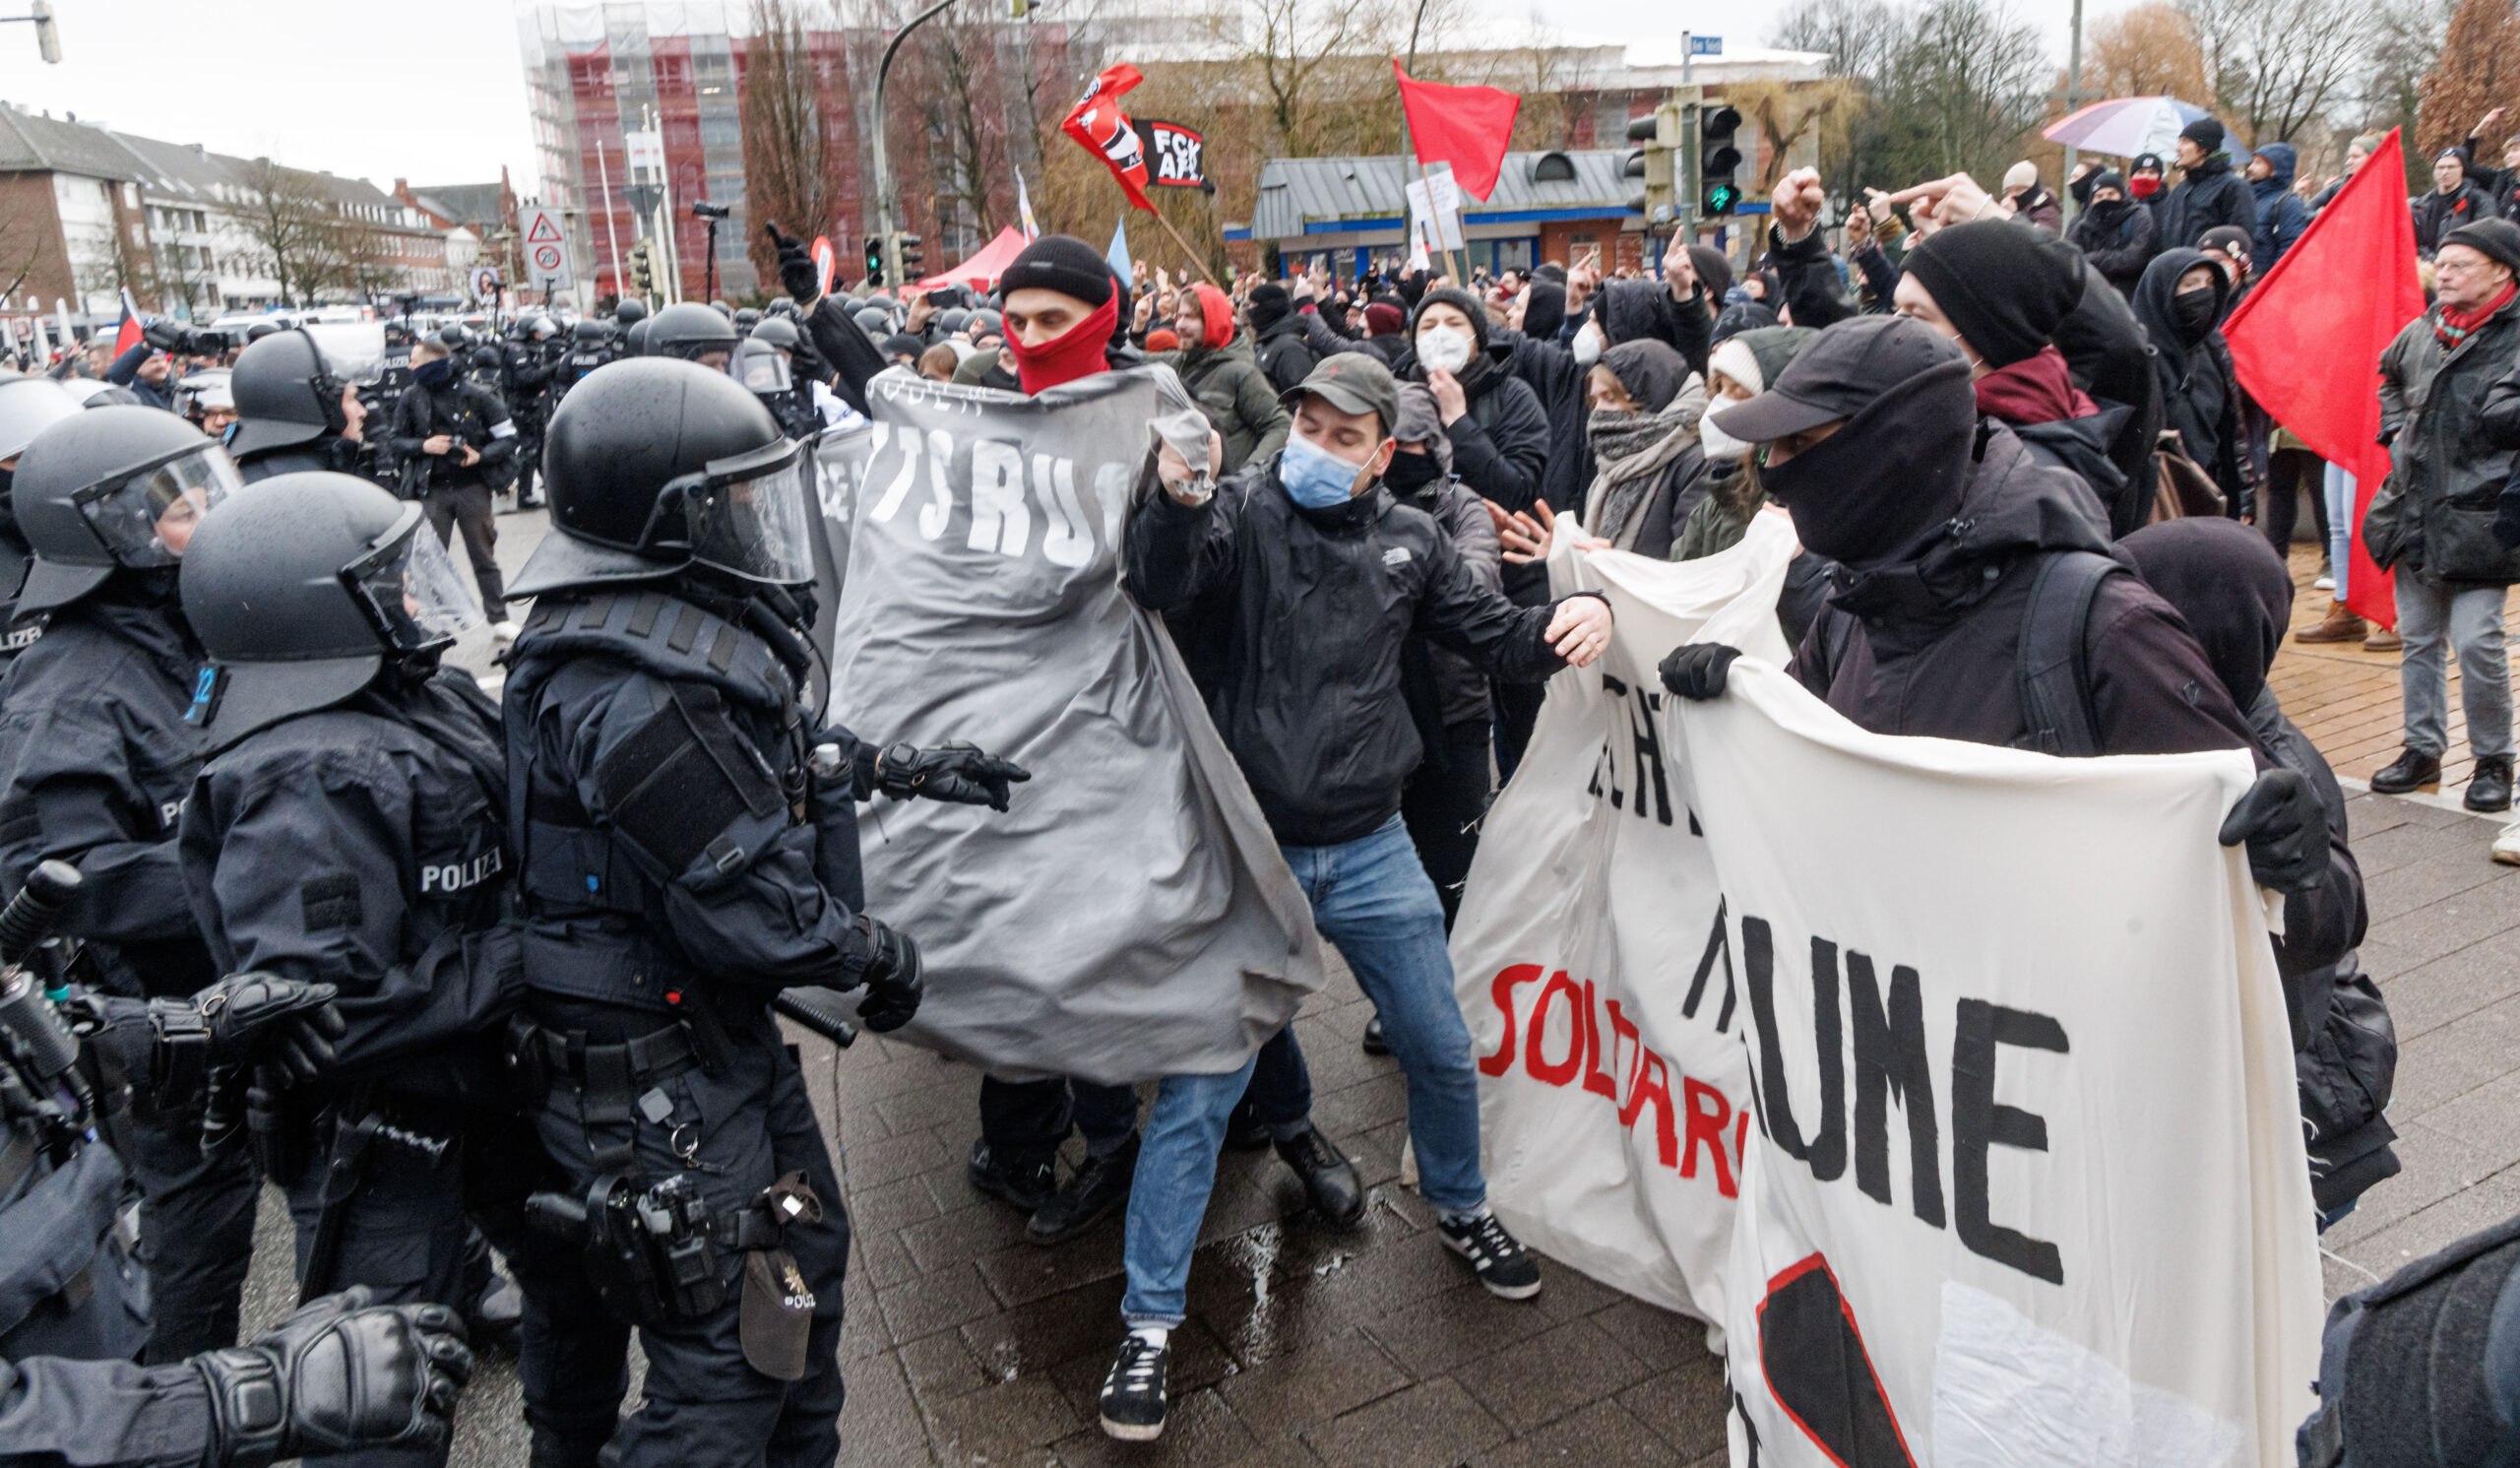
{"x": 967, "y": 1345}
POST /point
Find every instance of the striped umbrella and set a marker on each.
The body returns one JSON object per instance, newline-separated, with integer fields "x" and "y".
{"x": 2126, "y": 126}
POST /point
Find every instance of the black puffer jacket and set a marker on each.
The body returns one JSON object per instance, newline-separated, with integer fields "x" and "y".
{"x": 1294, "y": 621}
{"x": 2434, "y": 514}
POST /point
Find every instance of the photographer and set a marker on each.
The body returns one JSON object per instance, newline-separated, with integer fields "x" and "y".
{"x": 452, "y": 437}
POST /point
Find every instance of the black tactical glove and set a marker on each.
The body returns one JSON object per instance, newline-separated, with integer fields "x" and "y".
{"x": 956, "y": 772}
{"x": 2285, "y": 825}
{"x": 1697, "y": 670}
{"x": 338, "y": 1376}
{"x": 243, "y": 1019}
{"x": 796, "y": 269}
{"x": 892, "y": 979}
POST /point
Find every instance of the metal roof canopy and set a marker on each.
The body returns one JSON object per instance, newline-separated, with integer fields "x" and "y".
{"x": 1339, "y": 195}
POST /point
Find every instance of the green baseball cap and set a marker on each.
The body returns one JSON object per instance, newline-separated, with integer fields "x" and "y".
{"x": 1352, "y": 382}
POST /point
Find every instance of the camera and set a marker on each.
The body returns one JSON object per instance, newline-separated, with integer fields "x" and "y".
{"x": 708, "y": 211}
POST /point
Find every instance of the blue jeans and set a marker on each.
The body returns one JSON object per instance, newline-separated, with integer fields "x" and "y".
{"x": 1371, "y": 898}
{"x": 2337, "y": 488}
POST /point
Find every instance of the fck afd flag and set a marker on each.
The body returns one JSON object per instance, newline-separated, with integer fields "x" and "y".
{"x": 1098, "y": 123}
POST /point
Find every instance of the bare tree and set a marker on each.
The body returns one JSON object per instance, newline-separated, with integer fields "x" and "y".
{"x": 2408, "y": 44}
{"x": 2146, "y": 50}
{"x": 295, "y": 234}
{"x": 2478, "y": 70}
{"x": 2278, "y": 65}
{"x": 789, "y": 173}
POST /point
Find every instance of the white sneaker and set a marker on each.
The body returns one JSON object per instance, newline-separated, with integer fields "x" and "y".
{"x": 505, "y": 631}
{"x": 2506, "y": 847}
{"x": 2325, "y": 583}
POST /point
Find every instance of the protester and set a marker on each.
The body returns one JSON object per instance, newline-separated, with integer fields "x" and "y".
{"x": 2115, "y": 232}
{"x": 2030, "y": 198}
{"x": 1313, "y": 528}
{"x": 2502, "y": 184}
{"x": 1643, "y": 434}
{"x": 2433, "y": 520}
{"x": 2209, "y": 193}
{"x": 1276, "y": 337}
{"x": 2356, "y": 153}
{"x": 1218, "y": 367}
{"x": 2144, "y": 183}
{"x": 2281, "y": 219}
{"x": 2180, "y": 301}
{"x": 451, "y": 436}
{"x": 2453, "y": 202}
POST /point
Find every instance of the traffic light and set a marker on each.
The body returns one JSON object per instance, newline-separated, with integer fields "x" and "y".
{"x": 643, "y": 271}
{"x": 47, "y": 31}
{"x": 875, "y": 260}
{"x": 911, "y": 254}
{"x": 1718, "y": 160}
{"x": 1660, "y": 132}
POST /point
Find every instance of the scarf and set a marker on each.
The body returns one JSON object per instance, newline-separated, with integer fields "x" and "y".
{"x": 2037, "y": 389}
{"x": 1632, "y": 450}
{"x": 2455, "y": 327}
{"x": 1078, "y": 353}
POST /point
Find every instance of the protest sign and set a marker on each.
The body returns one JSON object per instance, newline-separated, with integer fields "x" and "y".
{"x": 2028, "y": 1183}
{"x": 1614, "y": 1100}
{"x": 1131, "y": 915}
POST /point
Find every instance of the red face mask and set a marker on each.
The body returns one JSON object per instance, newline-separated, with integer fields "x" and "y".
{"x": 2143, "y": 188}
{"x": 1074, "y": 354}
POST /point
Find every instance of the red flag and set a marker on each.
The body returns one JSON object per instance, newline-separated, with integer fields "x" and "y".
{"x": 128, "y": 336}
{"x": 2307, "y": 342}
{"x": 1096, "y": 122}
{"x": 1467, "y": 127}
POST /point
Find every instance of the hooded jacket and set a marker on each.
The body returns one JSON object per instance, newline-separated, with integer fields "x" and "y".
{"x": 1230, "y": 386}
{"x": 2200, "y": 396}
{"x": 2451, "y": 454}
{"x": 1639, "y": 499}
{"x": 1284, "y": 354}
{"x": 2117, "y": 236}
{"x": 2281, "y": 219}
{"x": 2209, "y": 194}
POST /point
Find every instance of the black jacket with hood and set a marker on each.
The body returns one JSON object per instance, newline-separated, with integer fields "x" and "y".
{"x": 2200, "y": 395}
{"x": 2208, "y": 196}
{"x": 1294, "y": 621}
{"x": 2117, "y": 236}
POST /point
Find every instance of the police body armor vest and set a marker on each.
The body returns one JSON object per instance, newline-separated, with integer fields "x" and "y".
{"x": 698, "y": 803}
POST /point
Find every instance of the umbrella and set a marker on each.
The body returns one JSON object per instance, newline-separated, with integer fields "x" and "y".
{"x": 2126, "y": 126}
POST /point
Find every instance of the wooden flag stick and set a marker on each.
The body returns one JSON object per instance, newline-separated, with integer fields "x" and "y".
{"x": 1190, "y": 254}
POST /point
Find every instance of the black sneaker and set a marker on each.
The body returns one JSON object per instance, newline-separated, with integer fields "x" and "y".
{"x": 1133, "y": 1394}
{"x": 1501, "y": 1261}
{"x": 1338, "y": 1195}
{"x": 1093, "y": 1190}
{"x": 1375, "y": 1044}
{"x": 1028, "y": 1188}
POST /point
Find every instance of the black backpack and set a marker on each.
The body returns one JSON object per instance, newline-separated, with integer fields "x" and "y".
{"x": 2415, "y": 1372}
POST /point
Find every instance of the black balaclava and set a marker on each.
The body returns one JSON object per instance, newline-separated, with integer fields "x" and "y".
{"x": 2229, "y": 587}
{"x": 1897, "y": 469}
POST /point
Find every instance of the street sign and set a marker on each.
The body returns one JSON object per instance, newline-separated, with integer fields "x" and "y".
{"x": 546, "y": 249}
{"x": 826, "y": 262}
{"x": 1706, "y": 46}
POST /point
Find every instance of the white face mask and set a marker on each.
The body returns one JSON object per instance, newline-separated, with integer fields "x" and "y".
{"x": 1443, "y": 348}
{"x": 1588, "y": 345}
{"x": 1713, "y": 443}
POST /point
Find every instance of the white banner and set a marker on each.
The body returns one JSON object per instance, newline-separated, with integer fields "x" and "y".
{"x": 1614, "y": 1101}
{"x": 1434, "y": 209}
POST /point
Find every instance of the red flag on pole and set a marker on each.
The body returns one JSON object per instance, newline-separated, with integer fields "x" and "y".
{"x": 1467, "y": 127}
{"x": 2307, "y": 342}
{"x": 1096, "y": 122}
{"x": 128, "y": 334}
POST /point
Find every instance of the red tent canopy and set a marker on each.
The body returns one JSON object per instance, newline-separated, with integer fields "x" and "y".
{"x": 983, "y": 269}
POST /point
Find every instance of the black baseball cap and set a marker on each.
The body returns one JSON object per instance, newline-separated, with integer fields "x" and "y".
{"x": 1352, "y": 382}
{"x": 1837, "y": 375}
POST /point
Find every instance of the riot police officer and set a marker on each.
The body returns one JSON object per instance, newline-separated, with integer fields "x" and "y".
{"x": 686, "y": 846}
{"x": 765, "y": 360}
{"x": 27, "y": 406}
{"x": 746, "y": 318}
{"x": 628, "y": 312}
{"x": 592, "y": 344}
{"x": 333, "y": 732}
{"x": 99, "y": 759}
{"x": 533, "y": 360}
{"x": 295, "y": 411}
{"x": 693, "y": 332}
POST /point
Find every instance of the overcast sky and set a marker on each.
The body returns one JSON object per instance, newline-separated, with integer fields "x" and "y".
{"x": 433, "y": 90}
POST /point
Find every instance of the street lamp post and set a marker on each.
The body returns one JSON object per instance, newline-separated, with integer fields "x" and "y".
{"x": 886, "y": 205}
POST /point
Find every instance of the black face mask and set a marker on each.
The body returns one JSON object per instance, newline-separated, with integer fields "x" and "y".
{"x": 2193, "y": 310}
{"x": 1868, "y": 491}
{"x": 1410, "y": 472}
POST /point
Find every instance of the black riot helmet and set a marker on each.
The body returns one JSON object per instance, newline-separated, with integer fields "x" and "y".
{"x": 27, "y": 406}
{"x": 692, "y": 331}
{"x": 761, "y": 366}
{"x": 654, "y": 466}
{"x": 629, "y": 312}
{"x": 120, "y": 485}
{"x": 591, "y": 333}
{"x": 746, "y": 318}
{"x": 875, "y": 322}
{"x": 777, "y": 330}
{"x": 782, "y": 305}
{"x": 287, "y": 385}
{"x": 304, "y": 589}
{"x": 486, "y": 358}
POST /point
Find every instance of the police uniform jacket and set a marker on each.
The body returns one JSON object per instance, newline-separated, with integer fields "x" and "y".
{"x": 103, "y": 1414}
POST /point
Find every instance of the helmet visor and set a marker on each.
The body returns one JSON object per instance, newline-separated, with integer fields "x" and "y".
{"x": 148, "y": 518}
{"x": 410, "y": 589}
{"x": 352, "y": 351}
{"x": 747, "y": 517}
{"x": 763, "y": 368}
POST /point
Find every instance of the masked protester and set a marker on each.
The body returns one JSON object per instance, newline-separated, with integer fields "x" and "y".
{"x": 2144, "y": 175}
{"x": 2181, "y": 303}
{"x": 2115, "y": 232}
{"x": 100, "y": 760}
{"x": 453, "y": 439}
{"x": 1250, "y": 569}
{"x": 1643, "y": 433}
{"x": 1945, "y": 532}
{"x": 686, "y": 846}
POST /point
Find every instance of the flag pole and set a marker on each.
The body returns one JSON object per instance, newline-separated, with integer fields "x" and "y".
{"x": 1187, "y": 253}
{"x": 1461, "y": 265}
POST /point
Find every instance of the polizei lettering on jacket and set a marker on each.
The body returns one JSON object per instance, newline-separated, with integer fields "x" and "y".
{"x": 456, "y": 876}
{"x": 1892, "y": 1067}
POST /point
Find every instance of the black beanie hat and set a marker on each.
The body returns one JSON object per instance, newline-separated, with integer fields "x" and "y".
{"x": 2206, "y": 133}
{"x": 1545, "y": 310}
{"x": 1062, "y": 262}
{"x": 1714, "y": 271}
{"x": 2006, "y": 294}
{"x": 2498, "y": 240}
{"x": 1459, "y": 300}
{"x": 1268, "y": 304}
{"x": 2144, "y": 163}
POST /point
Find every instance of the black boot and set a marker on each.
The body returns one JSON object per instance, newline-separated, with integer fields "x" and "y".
{"x": 2410, "y": 772}
{"x": 1338, "y": 1195}
{"x": 2490, "y": 788}
{"x": 1026, "y": 1188}
{"x": 1099, "y": 1186}
{"x": 1375, "y": 1044}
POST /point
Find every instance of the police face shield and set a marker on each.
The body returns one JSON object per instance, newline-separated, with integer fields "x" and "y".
{"x": 763, "y": 368}
{"x": 352, "y": 351}
{"x": 147, "y": 518}
{"x": 747, "y": 516}
{"x": 410, "y": 590}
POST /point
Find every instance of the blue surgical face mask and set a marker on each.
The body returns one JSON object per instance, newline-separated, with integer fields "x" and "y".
{"x": 1315, "y": 478}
